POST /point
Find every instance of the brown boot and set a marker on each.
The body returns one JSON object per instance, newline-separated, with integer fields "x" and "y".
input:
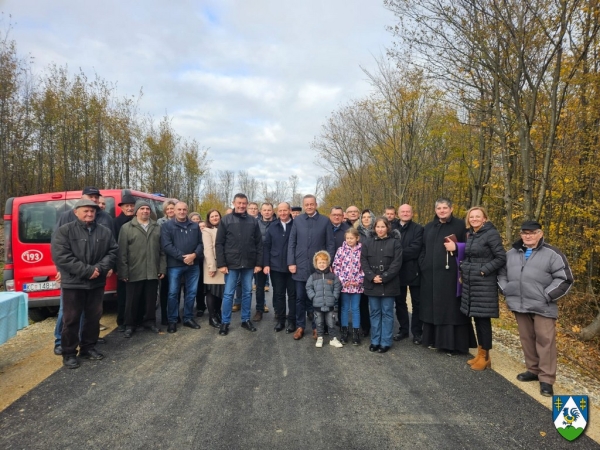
{"x": 299, "y": 333}
{"x": 484, "y": 362}
{"x": 257, "y": 316}
{"x": 478, "y": 357}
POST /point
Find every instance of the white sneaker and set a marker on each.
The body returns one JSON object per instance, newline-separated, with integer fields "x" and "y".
{"x": 319, "y": 343}
{"x": 334, "y": 342}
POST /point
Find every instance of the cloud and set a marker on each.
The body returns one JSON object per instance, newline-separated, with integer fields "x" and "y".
{"x": 252, "y": 80}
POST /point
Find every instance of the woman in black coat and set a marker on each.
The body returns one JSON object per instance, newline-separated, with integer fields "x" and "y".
{"x": 381, "y": 259}
{"x": 484, "y": 256}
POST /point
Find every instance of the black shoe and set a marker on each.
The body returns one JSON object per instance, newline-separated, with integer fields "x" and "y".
{"x": 546, "y": 389}
{"x": 280, "y": 326}
{"x": 344, "y": 335}
{"x": 70, "y": 362}
{"x": 527, "y": 376}
{"x": 248, "y": 326}
{"x": 172, "y": 328}
{"x": 224, "y": 329}
{"x": 128, "y": 333}
{"x": 383, "y": 349}
{"x": 199, "y": 313}
{"x": 101, "y": 341}
{"x": 58, "y": 350}
{"x": 373, "y": 348}
{"x": 92, "y": 354}
{"x": 400, "y": 336}
{"x": 214, "y": 322}
{"x": 355, "y": 336}
{"x": 291, "y": 327}
{"x": 121, "y": 328}
{"x": 417, "y": 340}
{"x": 153, "y": 328}
{"x": 191, "y": 323}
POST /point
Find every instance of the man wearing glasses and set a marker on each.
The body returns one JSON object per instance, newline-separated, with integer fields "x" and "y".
{"x": 352, "y": 214}
{"x": 536, "y": 275}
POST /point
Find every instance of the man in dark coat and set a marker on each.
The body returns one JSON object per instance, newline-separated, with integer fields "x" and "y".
{"x": 264, "y": 222}
{"x": 412, "y": 240}
{"x": 311, "y": 232}
{"x": 444, "y": 326}
{"x": 338, "y": 225}
{"x": 85, "y": 254}
{"x": 182, "y": 243}
{"x": 102, "y": 218}
{"x": 390, "y": 215}
{"x": 239, "y": 251}
{"x": 275, "y": 263}
{"x": 127, "y": 206}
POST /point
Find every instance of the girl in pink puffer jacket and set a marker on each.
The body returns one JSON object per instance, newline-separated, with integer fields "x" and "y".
{"x": 346, "y": 266}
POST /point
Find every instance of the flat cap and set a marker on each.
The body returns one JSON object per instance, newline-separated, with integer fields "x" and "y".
{"x": 85, "y": 202}
{"x": 531, "y": 225}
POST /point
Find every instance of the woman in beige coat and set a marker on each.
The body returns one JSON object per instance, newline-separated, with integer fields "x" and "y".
{"x": 214, "y": 280}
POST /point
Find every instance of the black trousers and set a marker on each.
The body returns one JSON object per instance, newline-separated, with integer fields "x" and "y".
{"x": 365, "y": 314}
{"x": 75, "y": 303}
{"x": 402, "y": 310}
{"x": 282, "y": 284}
{"x": 141, "y": 296}
{"x": 200, "y": 295}
{"x": 164, "y": 298}
{"x": 121, "y": 300}
{"x": 483, "y": 329}
{"x": 261, "y": 281}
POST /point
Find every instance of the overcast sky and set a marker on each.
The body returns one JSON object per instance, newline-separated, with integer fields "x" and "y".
{"x": 252, "y": 80}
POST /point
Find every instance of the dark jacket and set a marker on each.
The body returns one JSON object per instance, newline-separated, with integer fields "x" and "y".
{"x": 275, "y": 248}
{"x": 119, "y": 221}
{"x": 77, "y": 251}
{"x": 534, "y": 285}
{"x": 323, "y": 289}
{"x": 181, "y": 238}
{"x": 264, "y": 226}
{"x": 239, "y": 242}
{"x": 339, "y": 234}
{"x": 411, "y": 237}
{"x": 102, "y": 218}
{"x": 382, "y": 257}
{"x": 140, "y": 254}
{"x": 309, "y": 235}
{"x": 485, "y": 254}
{"x": 439, "y": 303}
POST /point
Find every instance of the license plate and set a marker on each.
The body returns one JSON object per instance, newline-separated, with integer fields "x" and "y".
{"x": 45, "y": 286}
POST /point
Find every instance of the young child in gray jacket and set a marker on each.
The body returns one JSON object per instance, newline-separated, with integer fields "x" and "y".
{"x": 323, "y": 288}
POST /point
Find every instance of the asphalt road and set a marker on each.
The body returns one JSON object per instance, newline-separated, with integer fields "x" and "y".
{"x": 195, "y": 389}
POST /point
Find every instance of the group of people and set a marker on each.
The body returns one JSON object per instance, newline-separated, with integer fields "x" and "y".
{"x": 352, "y": 263}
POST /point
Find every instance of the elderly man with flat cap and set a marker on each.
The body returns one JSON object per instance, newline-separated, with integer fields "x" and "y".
{"x": 84, "y": 253}
{"x": 536, "y": 275}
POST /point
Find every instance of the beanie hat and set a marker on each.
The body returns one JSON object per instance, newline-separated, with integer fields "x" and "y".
{"x": 139, "y": 204}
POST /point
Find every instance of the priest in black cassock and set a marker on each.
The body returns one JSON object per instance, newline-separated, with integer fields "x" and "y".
{"x": 444, "y": 326}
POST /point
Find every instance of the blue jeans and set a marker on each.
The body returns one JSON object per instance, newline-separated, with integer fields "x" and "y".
{"x": 231, "y": 279}
{"x": 59, "y": 323}
{"x": 350, "y": 301}
{"x": 191, "y": 274}
{"x": 382, "y": 320}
